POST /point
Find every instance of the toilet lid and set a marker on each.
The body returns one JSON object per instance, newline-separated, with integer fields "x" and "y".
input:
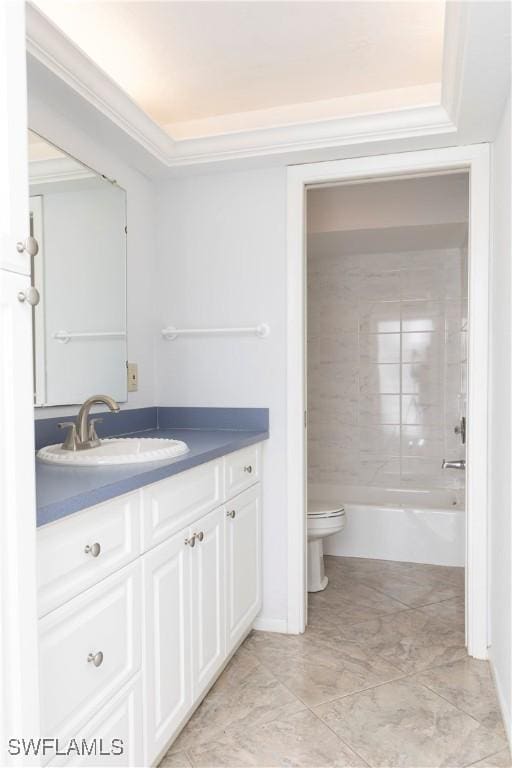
{"x": 317, "y": 508}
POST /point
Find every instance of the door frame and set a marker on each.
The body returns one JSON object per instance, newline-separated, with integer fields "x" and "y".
{"x": 476, "y": 160}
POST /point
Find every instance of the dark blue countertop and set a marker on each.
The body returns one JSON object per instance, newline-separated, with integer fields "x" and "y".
{"x": 63, "y": 490}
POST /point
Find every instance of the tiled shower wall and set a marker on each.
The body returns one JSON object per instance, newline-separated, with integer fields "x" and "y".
{"x": 386, "y": 367}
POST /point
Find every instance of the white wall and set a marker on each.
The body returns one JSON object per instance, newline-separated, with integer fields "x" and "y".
{"x": 222, "y": 245}
{"x": 500, "y": 420}
{"x": 141, "y": 268}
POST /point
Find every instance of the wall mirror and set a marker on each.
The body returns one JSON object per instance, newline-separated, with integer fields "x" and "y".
{"x": 78, "y": 218}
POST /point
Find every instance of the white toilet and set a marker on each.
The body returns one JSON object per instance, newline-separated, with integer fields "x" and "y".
{"x": 324, "y": 519}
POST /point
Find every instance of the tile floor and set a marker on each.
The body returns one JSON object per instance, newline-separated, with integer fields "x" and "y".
{"x": 380, "y": 678}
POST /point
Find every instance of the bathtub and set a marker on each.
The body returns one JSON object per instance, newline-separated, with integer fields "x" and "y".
{"x": 410, "y": 525}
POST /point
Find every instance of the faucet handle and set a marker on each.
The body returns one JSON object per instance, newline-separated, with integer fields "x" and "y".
{"x": 70, "y": 441}
{"x": 92, "y": 428}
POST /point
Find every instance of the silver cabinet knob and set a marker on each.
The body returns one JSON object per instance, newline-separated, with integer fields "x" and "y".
{"x": 30, "y": 246}
{"x": 248, "y": 469}
{"x": 191, "y": 542}
{"x": 96, "y": 658}
{"x": 231, "y": 513}
{"x": 93, "y": 549}
{"x": 200, "y": 535}
{"x": 31, "y": 296}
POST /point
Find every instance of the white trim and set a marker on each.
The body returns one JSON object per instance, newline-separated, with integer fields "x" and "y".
{"x": 48, "y": 45}
{"x": 505, "y": 712}
{"x": 57, "y": 169}
{"x": 474, "y": 158}
{"x": 266, "y": 624}
{"x": 60, "y": 56}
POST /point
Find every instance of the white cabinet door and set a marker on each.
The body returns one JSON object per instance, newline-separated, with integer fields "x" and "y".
{"x": 208, "y": 609}
{"x": 114, "y": 735}
{"x": 167, "y": 693}
{"x": 18, "y": 615}
{"x": 243, "y": 563}
{"x": 14, "y": 222}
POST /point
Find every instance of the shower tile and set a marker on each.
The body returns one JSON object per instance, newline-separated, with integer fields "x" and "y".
{"x": 379, "y": 409}
{"x": 456, "y": 347}
{"x": 378, "y": 262}
{"x": 423, "y": 316}
{"x": 380, "y": 378}
{"x": 424, "y": 473}
{"x": 416, "y": 410}
{"x": 382, "y": 440}
{"x": 422, "y": 441}
{"x": 455, "y": 281}
{"x": 380, "y": 285}
{"x": 380, "y": 472}
{"x": 423, "y": 379}
{"x": 422, "y": 347}
{"x": 326, "y": 317}
{"x": 340, "y": 348}
{"x": 379, "y": 348}
{"x": 422, "y": 284}
{"x": 423, "y": 260}
{"x": 456, "y": 315}
{"x": 379, "y": 316}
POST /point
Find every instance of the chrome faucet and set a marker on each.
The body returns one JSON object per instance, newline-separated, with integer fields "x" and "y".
{"x": 82, "y": 433}
{"x": 461, "y": 464}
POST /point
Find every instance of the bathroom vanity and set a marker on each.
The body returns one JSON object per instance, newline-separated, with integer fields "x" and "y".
{"x": 142, "y": 600}
{"x": 149, "y": 519}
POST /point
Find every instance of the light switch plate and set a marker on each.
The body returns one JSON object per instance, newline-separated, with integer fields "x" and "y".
{"x": 133, "y": 377}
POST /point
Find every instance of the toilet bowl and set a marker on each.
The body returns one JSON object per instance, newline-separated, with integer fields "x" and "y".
{"x": 324, "y": 519}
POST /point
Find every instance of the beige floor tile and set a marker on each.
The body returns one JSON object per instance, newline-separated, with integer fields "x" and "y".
{"x": 299, "y": 740}
{"x": 467, "y": 684}
{"x": 175, "y": 760}
{"x": 348, "y": 602}
{"x": 452, "y": 611}
{"x": 501, "y": 759}
{"x": 405, "y": 725}
{"x": 413, "y": 584}
{"x": 411, "y": 640}
{"x": 319, "y": 667}
{"x": 246, "y": 693}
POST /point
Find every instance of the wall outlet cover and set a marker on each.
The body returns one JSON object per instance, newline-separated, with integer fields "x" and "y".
{"x": 133, "y": 377}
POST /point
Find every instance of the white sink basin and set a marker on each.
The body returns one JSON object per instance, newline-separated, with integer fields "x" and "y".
{"x": 120, "y": 450}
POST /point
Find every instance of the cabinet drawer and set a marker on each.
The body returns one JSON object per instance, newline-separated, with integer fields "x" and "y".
{"x": 173, "y": 504}
{"x": 80, "y": 550}
{"x": 105, "y": 619}
{"x": 114, "y": 728}
{"x": 242, "y": 469}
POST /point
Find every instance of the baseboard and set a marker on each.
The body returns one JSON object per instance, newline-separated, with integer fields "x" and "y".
{"x": 506, "y": 715}
{"x": 266, "y": 624}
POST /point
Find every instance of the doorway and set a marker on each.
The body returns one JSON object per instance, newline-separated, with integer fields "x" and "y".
{"x": 472, "y": 161}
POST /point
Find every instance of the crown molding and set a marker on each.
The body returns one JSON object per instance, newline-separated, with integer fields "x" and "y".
{"x": 57, "y": 169}
{"x": 63, "y": 60}
{"x": 47, "y": 44}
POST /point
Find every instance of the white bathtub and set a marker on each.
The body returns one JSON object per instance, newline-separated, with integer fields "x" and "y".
{"x": 416, "y": 526}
